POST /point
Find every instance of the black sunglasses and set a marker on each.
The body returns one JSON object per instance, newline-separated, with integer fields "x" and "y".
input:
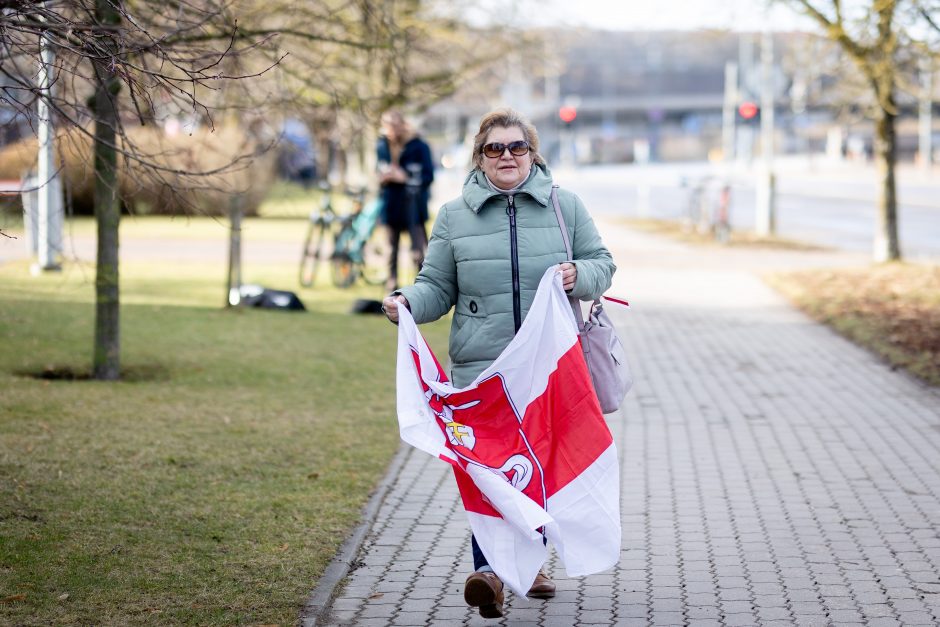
{"x": 496, "y": 149}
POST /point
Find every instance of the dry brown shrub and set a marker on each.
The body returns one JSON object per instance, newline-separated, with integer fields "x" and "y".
{"x": 893, "y": 309}
{"x": 176, "y": 185}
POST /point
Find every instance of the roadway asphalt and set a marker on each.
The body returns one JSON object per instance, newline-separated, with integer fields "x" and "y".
{"x": 773, "y": 474}
{"x": 819, "y": 201}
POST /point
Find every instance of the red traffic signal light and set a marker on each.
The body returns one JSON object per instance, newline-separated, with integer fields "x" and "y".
{"x": 747, "y": 109}
{"x": 567, "y": 114}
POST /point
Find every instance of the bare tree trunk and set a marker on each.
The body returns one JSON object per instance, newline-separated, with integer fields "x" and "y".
{"x": 887, "y": 246}
{"x": 882, "y": 73}
{"x": 107, "y": 352}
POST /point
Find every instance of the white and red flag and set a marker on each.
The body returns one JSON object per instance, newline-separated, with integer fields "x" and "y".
{"x": 529, "y": 446}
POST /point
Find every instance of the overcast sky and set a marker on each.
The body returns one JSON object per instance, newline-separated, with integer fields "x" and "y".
{"x": 654, "y": 14}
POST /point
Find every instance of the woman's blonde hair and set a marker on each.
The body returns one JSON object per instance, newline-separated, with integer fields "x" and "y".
{"x": 506, "y": 118}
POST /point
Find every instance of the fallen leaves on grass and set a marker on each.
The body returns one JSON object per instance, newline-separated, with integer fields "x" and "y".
{"x": 685, "y": 232}
{"x": 893, "y": 309}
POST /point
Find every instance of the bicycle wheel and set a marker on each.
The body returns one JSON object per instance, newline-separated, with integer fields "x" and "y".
{"x": 343, "y": 270}
{"x": 374, "y": 268}
{"x": 312, "y": 253}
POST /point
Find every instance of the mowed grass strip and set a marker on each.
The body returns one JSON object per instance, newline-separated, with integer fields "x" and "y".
{"x": 892, "y": 309}
{"x": 215, "y": 482}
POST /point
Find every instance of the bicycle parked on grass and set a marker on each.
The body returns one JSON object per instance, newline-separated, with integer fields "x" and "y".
{"x": 318, "y": 243}
{"x": 348, "y": 242}
{"x": 709, "y": 208}
{"x": 357, "y": 250}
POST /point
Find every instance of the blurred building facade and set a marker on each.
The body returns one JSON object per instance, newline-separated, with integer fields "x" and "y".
{"x": 660, "y": 96}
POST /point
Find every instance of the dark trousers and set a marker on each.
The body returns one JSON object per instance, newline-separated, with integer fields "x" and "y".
{"x": 419, "y": 243}
{"x": 479, "y": 560}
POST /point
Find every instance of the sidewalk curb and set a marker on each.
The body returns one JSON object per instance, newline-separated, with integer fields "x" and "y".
{"x": 320, "y": 600}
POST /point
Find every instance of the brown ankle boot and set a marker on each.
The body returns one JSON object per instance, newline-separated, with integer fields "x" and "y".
{"x": 485, "y": 591}
{"x": 543, "y": 587}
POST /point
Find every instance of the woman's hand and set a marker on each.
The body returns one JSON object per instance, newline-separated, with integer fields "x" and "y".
{"x": 390, "y": 306}
{"x": 569, "y": 274}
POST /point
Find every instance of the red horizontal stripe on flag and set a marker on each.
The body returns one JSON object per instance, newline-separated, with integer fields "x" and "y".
{"x": 565, "y": 424}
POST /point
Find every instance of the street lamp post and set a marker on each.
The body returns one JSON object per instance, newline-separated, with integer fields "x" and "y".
{"x": 568, "y": 113}
{"x": 765, "y": 220}
{"x": 728, "y": 111}
{"x": 926, "y": 121}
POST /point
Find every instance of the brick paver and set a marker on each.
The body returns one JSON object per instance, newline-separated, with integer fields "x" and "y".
{"x": 772, "y": 474}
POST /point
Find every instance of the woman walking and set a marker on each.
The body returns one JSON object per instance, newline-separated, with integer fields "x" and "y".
{"x": 488, "y": 250}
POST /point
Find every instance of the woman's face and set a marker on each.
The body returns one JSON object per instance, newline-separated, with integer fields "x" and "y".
{"x": 507, "y": 170}
{"x": 393, "y": 127}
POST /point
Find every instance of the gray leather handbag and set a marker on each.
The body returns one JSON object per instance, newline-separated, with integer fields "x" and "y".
{"x": 603, "y": 351}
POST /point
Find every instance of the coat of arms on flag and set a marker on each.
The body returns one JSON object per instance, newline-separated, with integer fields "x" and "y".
{"x": 531, "y": 451}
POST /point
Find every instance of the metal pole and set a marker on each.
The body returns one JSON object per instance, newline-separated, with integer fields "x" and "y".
{"x": 925, "y": 147}
{"x": 49, "y": 205}
{"x": 234, "y": 277}
{"x": 553, "y": 100}
{"x": 765, "y": 220}
{"x": 728, "y": 111}
{"x": 744, "y": 142}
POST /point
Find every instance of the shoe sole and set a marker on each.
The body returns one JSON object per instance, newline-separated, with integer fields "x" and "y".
{"x": 479, "y": 594}
{"x": 547, "y": 594}
{"x": 491, "y": 611}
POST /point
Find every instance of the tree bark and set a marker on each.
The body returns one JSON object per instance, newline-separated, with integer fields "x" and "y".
{"x": 107, "y": 349}
{"x": 883, "y": 74}
{"x": 887, "y": 245}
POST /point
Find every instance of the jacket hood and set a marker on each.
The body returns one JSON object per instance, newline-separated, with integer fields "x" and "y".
{"x": 476, "y": 191}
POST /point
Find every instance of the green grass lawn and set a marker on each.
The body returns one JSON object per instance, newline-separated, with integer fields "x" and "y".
{"x": 215, "y": 482}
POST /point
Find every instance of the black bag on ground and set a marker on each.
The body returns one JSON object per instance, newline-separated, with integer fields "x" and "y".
{"x": 367, "y": 306}
{"x": 258, "y": 296}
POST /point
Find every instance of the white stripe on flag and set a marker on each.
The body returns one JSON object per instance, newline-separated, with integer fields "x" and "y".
{"x": 586, "y": 512}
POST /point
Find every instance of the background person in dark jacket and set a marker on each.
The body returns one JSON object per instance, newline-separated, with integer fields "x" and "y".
{"x": 406, "y": 172}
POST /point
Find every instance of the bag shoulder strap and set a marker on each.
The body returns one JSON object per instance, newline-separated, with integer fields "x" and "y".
{"x": 561, "y": 222}
{"x": 575, "y": 304}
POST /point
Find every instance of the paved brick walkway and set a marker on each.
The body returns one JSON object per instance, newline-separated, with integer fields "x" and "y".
{"x": 773, "y": 474}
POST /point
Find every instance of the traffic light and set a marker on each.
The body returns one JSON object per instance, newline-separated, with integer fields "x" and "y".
{"x": 748, "y": 110}
{"x": 567, "y": 114}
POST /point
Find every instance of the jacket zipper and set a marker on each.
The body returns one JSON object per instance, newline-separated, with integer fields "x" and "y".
{"x": 514, "y": 254}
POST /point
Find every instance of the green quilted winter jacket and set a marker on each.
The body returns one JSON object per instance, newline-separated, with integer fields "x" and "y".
{"x": 469, "y": 265}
